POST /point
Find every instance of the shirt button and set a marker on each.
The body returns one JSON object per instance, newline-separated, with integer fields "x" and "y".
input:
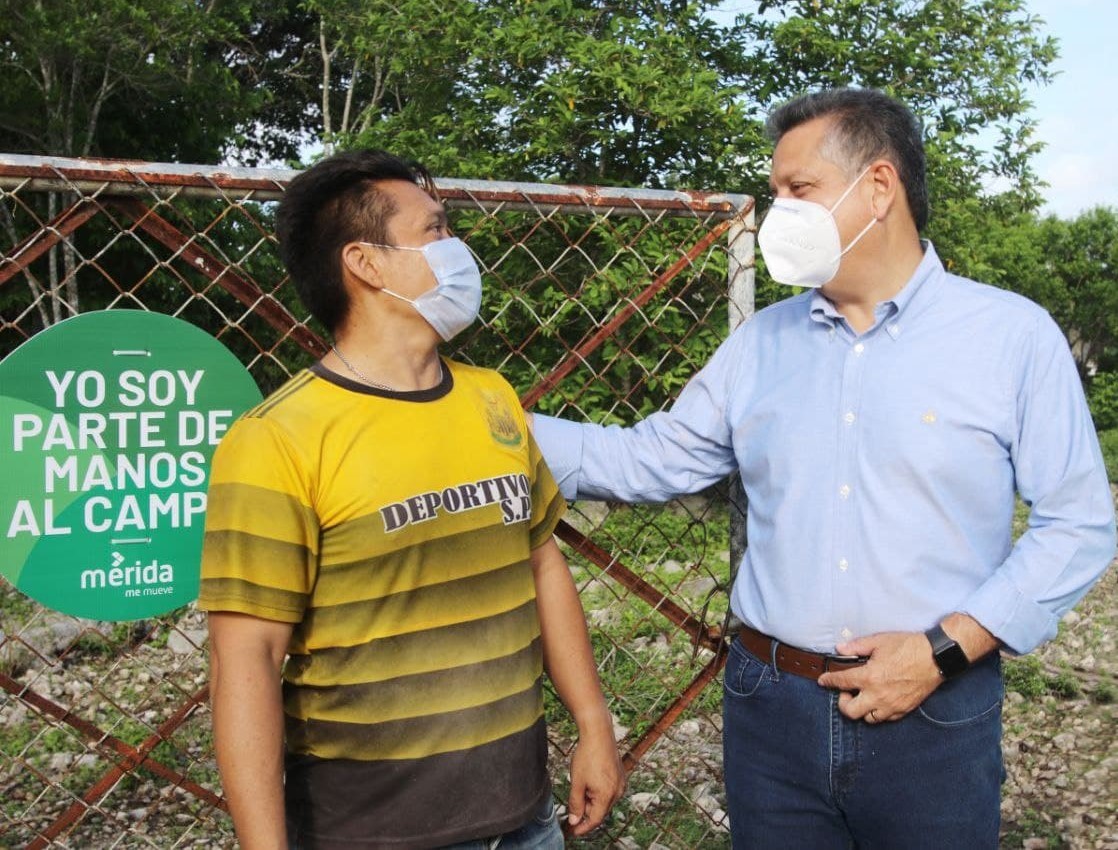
{"x": 859, "y": 348}
{"x": 844, "y": 490}
{"x": 846, "y": 633}
{"x": 843, "y": 564}
{"x": 848, "y": 417}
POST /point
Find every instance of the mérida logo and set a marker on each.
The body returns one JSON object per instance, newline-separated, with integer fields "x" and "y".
{"x": 137, "y": 579}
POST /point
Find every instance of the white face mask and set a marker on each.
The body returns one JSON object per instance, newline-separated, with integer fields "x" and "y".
{"x": 800, "y": 240}
{"x": 453, "y": 304}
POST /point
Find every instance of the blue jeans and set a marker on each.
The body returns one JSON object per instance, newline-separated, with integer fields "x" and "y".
{"x": 801, "y": 775}
{"x": 542, "y": 832}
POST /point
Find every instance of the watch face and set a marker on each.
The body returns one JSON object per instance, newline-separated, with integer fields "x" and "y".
{"x": 949, "y": 656}
{"x": 951, "y": 660}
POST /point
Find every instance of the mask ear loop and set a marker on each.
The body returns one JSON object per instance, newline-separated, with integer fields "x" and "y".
{"x": 854, "y": 241}
{"x": 397, "y": 295}
{"x": 385, "y": 289}
{"x": 842, "y": 198}
{"x": 849, "y": 189}
{"x": 394, "y": 247}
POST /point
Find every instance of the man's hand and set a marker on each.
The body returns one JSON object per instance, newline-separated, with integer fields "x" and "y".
{"x": 898, "y": 677}
{"x": 901, "y": 671}
{"x": 597, "y": 781}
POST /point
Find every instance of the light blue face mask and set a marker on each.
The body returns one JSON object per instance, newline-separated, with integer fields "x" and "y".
{"x": 453, "y": 304}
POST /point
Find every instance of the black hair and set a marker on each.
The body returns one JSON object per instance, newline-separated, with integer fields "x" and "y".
{"x": 867, "y": 124}
{"x": 333, "y": 203}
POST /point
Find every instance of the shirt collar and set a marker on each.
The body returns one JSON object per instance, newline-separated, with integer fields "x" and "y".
{"x": 919, "y": 291}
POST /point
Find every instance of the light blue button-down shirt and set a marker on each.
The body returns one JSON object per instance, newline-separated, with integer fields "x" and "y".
{"x": 881, "y": 468}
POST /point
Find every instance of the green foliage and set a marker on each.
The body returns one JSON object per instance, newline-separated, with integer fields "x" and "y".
{"x": 1108, "y": 442}
{"x": 1083, "y": 257}
{"x": 1064, "y": 684}
{"x": 551, "y": 288}
{"x": 1033, "y": 825}
{"x": 155, "y": 79}
{"x": 641, "y": 94}
{"x": 15, "y": 608}
{"x": 1105, "y": 693}
{"x": 1028, "y": 677}
{"x": 1102, "y": 397}
{"x": 964, "y": 66}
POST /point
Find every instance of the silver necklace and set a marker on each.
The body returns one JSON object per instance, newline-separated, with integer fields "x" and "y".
{"x": 371, "y": 382}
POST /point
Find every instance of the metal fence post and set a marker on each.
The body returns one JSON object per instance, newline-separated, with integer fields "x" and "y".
{"x": 742, "y": 296}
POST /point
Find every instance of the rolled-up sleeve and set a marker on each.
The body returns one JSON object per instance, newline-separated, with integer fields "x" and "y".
{"x": 1070, "y": 539}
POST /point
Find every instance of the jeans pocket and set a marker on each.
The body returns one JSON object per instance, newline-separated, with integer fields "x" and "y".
{"x": 546, "y": 812}
{"x": 973, "y": 697}
{"x": 744, "y": 673}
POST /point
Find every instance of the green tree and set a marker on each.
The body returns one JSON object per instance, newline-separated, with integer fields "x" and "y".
{"x": 126, "y": 78}
{"x": 1083, "y": 260}
{"x": 640, "y": 93}
{"x": 963, "y": 66}
{"x": 143, "y": 79}
{"x": 673, "y": 94}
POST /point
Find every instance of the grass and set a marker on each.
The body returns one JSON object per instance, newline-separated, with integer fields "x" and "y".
{"x": 1105, "y": 693}
{"x": 1036, "y": 825}
{"x": 14, "y": 606}
{"x": 1028, "y": 677}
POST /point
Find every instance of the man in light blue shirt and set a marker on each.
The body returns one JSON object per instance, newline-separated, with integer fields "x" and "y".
{"x": 882, "y": 423}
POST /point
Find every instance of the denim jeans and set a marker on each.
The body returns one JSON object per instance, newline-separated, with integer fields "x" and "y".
{"x": 800, "y": 775}
{"x": 542, "y": 832}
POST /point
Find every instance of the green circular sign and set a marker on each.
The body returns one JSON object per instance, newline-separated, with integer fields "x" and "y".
{"x": 108, "y": 422}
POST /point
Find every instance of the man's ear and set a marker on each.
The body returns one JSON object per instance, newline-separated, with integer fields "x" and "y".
{"x": 361, "y": 265}
{"x": 886, "y": 188}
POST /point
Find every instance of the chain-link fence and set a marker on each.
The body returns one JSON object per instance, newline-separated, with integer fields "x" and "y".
{"x": 599, "y": 304}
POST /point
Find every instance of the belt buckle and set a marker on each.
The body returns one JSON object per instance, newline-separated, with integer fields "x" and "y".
{"x": 852, "y": 660}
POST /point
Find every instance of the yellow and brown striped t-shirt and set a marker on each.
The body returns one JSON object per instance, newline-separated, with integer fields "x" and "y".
{"x": 394, "y": 530}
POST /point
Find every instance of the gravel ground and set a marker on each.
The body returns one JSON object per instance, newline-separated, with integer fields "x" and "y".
{"x": 1061, "y": 751}
{"x": 1061, "y": 748}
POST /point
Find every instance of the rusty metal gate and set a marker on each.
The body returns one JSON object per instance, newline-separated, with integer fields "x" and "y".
{"x": 599, "y": 304}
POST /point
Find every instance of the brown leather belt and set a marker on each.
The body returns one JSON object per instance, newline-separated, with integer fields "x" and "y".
{"x": 791, "y": 660}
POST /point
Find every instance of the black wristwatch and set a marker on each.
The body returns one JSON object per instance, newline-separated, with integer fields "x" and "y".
{"x": 948, "y": 655}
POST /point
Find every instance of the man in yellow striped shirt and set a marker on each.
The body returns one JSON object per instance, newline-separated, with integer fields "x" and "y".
{"x": 380, "y": 530}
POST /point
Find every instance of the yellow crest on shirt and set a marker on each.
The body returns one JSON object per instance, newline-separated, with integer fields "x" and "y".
{"x": 503, "y": 425}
